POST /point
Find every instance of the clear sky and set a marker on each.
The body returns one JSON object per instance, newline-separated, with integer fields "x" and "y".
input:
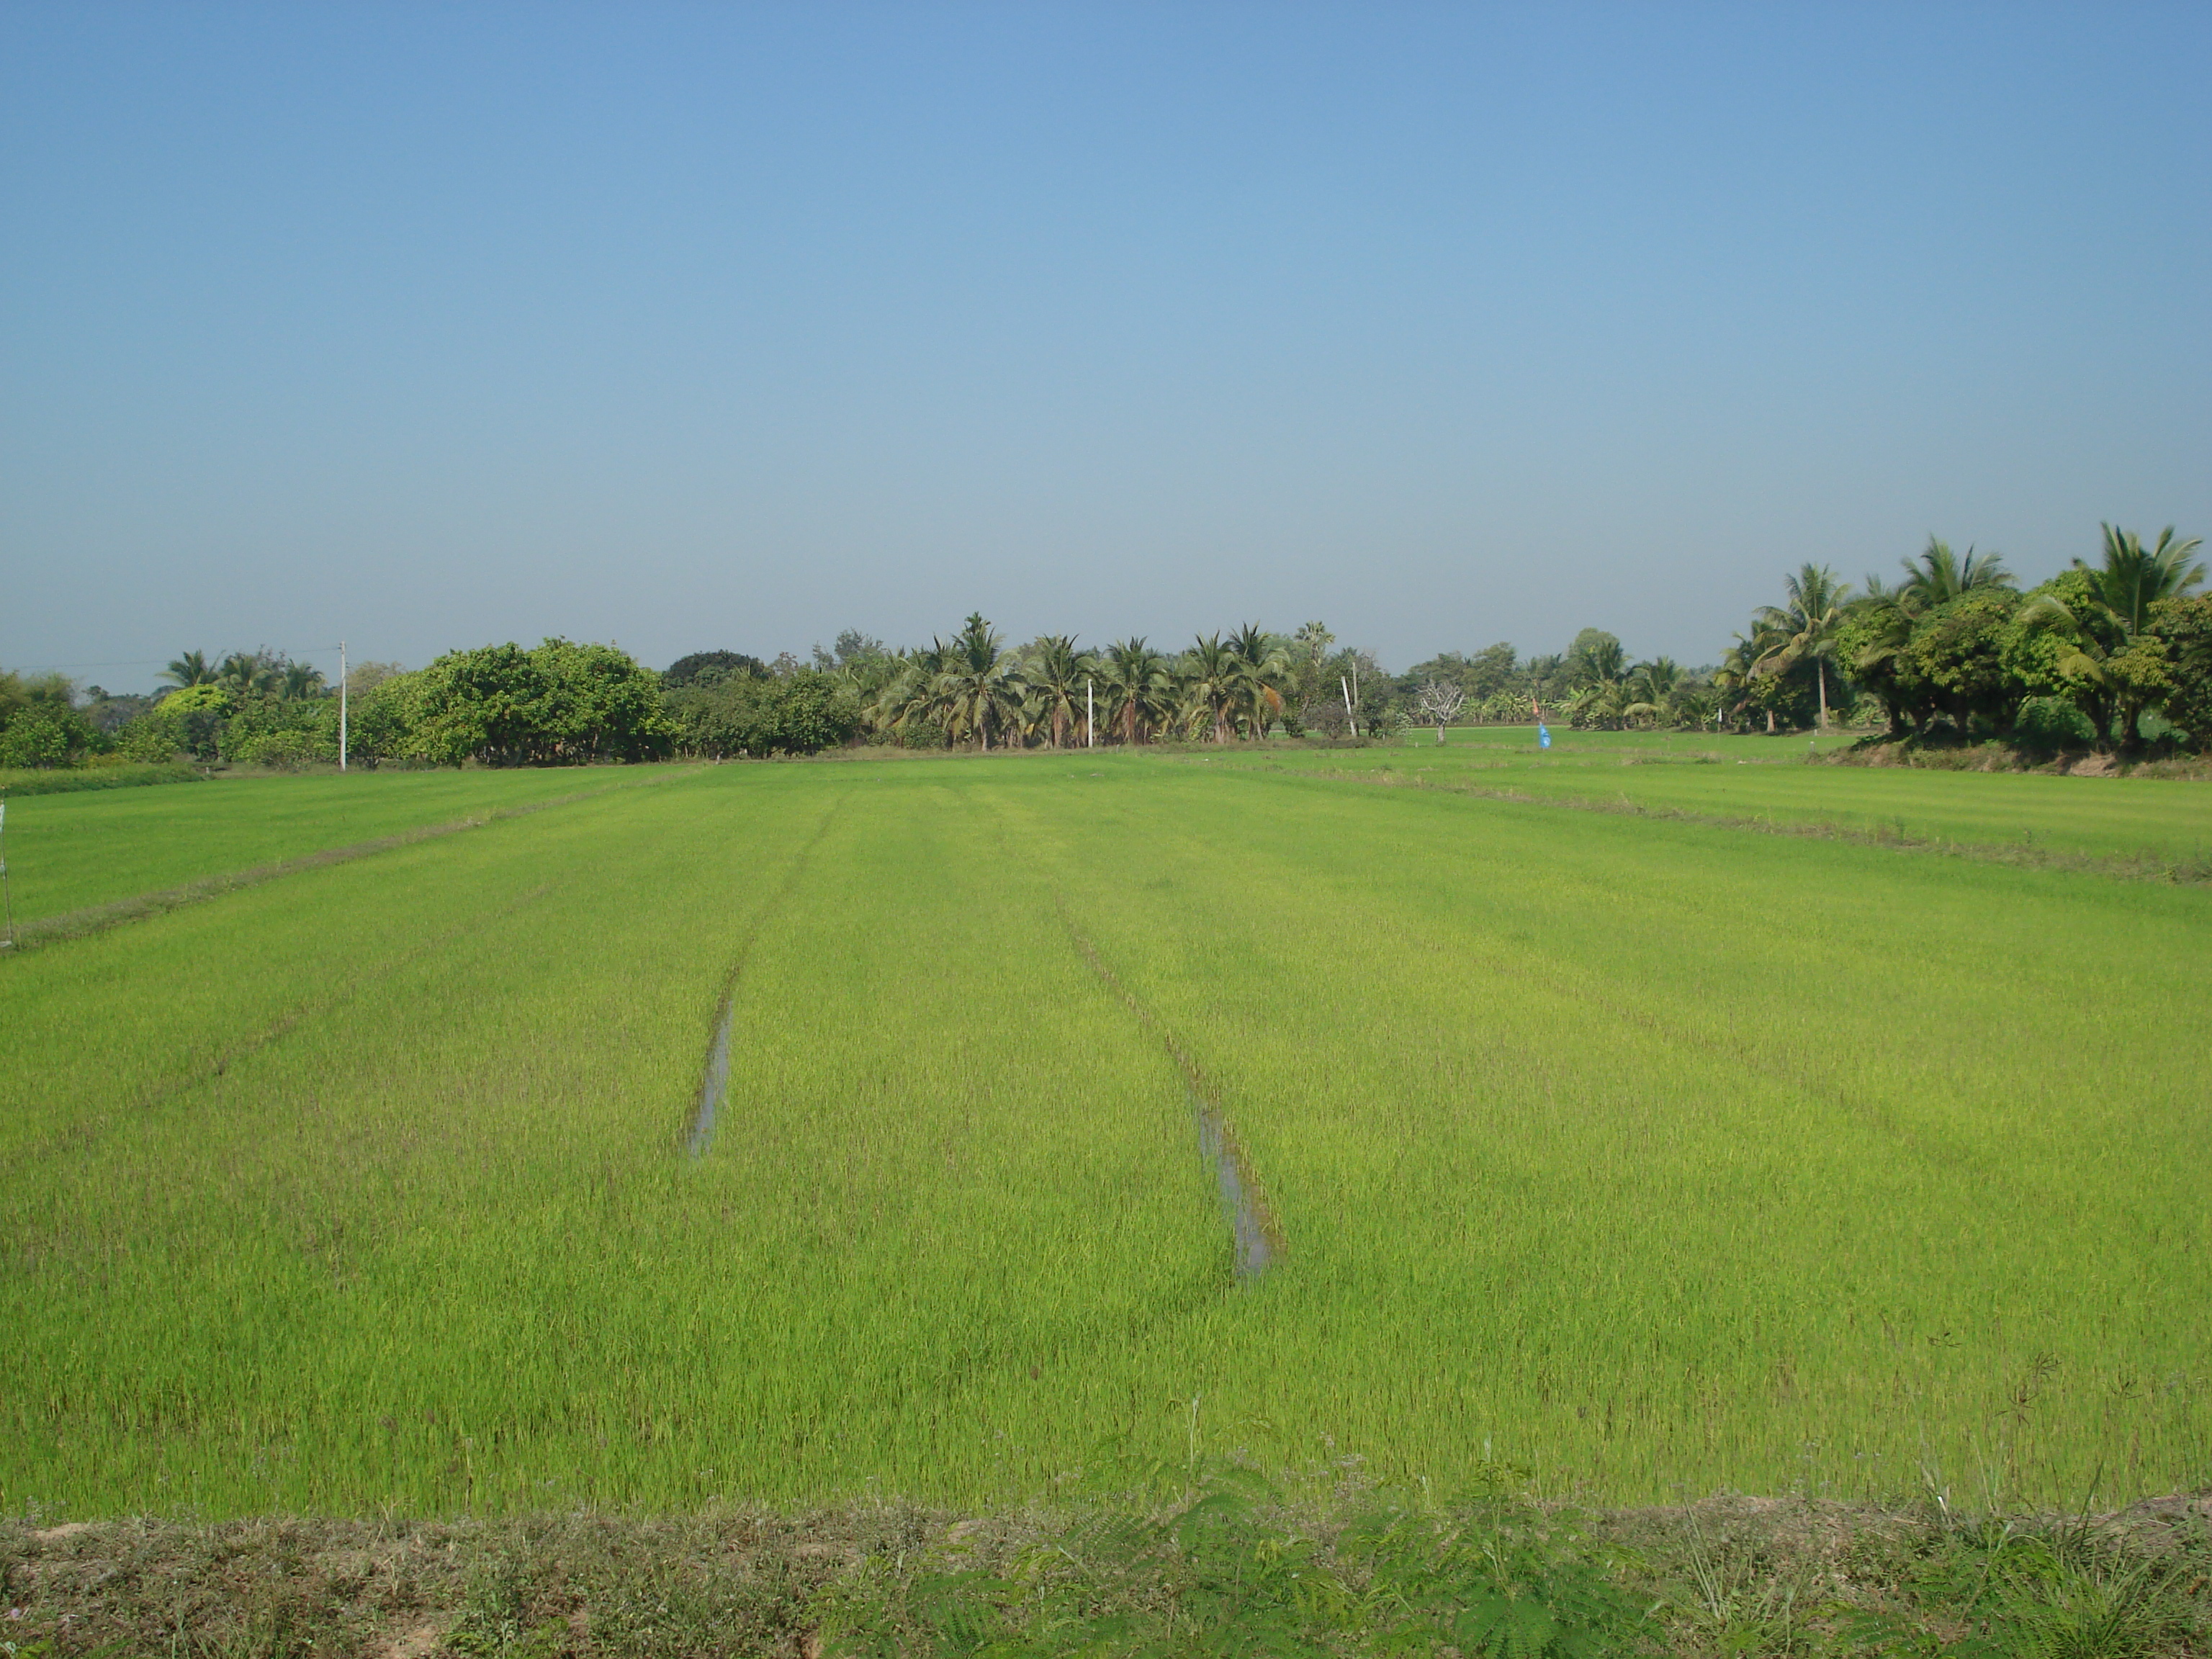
{"x": 723, "y": 326}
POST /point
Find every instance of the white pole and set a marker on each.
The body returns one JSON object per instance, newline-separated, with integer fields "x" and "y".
{"x": 342, "y": 706}
{"x": 1090, "y": 718}
{"x": 1348, "y": 713}
{"x": 5, "y": 894}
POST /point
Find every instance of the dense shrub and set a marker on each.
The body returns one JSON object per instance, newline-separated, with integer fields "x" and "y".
{"x": 2051, "y": 724}
{"x": 562, "y": 704}
{"x": 798, "y": 713}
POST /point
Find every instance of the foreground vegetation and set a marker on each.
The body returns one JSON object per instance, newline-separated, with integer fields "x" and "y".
{"x": 1210, "y": 1562}
{"x": 367, "y": 1190}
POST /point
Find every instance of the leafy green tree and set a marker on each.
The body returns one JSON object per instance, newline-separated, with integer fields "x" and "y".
{"x": 705, "y": 667}
{"x": 41, "y": 724}
{"x": 851, "y": 649}
{"x": 1956, "y": 658}
{"x": 598, "y": 704}
{"x": 1493, "y": 670}
{"x": 560, "y": 704}
{"x": 2183, "y": 629}
{"x": 194, "y": 718}
{"x": 800, "y": 712}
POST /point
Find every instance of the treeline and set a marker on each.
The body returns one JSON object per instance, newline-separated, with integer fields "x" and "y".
{"x": 2114, "y": 652}
{"x": 559, "y": 704}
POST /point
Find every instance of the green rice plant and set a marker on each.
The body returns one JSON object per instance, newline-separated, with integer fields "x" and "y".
{"x": 1640, "y": 1157}
{"x": 70, "y": 851}
{"x": 2156, "y": 823}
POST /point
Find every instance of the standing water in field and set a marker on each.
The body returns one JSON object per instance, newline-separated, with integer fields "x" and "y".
{"x": 716, "y": 1083}
{"x": 1254, "y": 1254}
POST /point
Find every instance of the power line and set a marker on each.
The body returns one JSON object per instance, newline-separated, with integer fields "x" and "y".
{"x": 158, "y": 662}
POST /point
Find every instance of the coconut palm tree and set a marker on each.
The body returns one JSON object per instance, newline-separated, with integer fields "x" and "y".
{"x": 1262, "y": 672}
{"x": 1650, "y": 691}
{"x": 1602, "y": 704}
{"x": 298, "y": 680}
{"x": 189, "y": 669}
{"x": 1806, "y": 623}
{"x": 1140, "y": 693}
{"x": 978, "y": 688}
{"x": 2099, "y": 633}
{"x": 1213, "y": 685}
{"x": 1054, "y": 673}
{"x": 1940, "y": 575}
{"x": 1598, "y": 662}
{"x": 1543, "y": 672}
{"x": 1884, "y": 622}
{"x": 909, "y": 696}
{"x": 246, "y": 674}
{"x": 1740, "y": 676}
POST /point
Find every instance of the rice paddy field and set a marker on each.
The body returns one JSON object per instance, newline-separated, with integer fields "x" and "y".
{"x": 951, "y": 1128}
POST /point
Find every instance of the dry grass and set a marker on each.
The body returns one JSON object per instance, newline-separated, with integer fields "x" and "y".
{"x": 1357, "y": 1573}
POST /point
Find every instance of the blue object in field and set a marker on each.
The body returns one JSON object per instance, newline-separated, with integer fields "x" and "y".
{"x": 1543, "y": 735}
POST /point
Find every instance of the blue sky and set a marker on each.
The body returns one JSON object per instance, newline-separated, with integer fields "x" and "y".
{"x": 689, "y": 327}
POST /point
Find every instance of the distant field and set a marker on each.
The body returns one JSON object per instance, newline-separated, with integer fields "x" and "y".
{"x": 1767, "y": 778}
{"x": 68, "y": 851}
{"x": 1623, "y": 1156}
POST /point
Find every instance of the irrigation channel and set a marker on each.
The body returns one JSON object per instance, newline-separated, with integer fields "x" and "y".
{"x": 717, "y": 1082}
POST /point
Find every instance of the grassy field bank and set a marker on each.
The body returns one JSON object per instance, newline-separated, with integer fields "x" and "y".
{"x": 1213, "y": 1568}
{"x": 1613, "y": 1157}
{"x": 16, "y": 782}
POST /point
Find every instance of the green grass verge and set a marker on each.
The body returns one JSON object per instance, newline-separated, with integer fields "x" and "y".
{"x": 16, "y": 782}
{"x": 1618, "y": 1158}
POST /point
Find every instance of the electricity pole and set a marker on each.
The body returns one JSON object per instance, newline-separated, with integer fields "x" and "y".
{"x": 342, "y": 706}
{"x": 1090, "y": 718}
